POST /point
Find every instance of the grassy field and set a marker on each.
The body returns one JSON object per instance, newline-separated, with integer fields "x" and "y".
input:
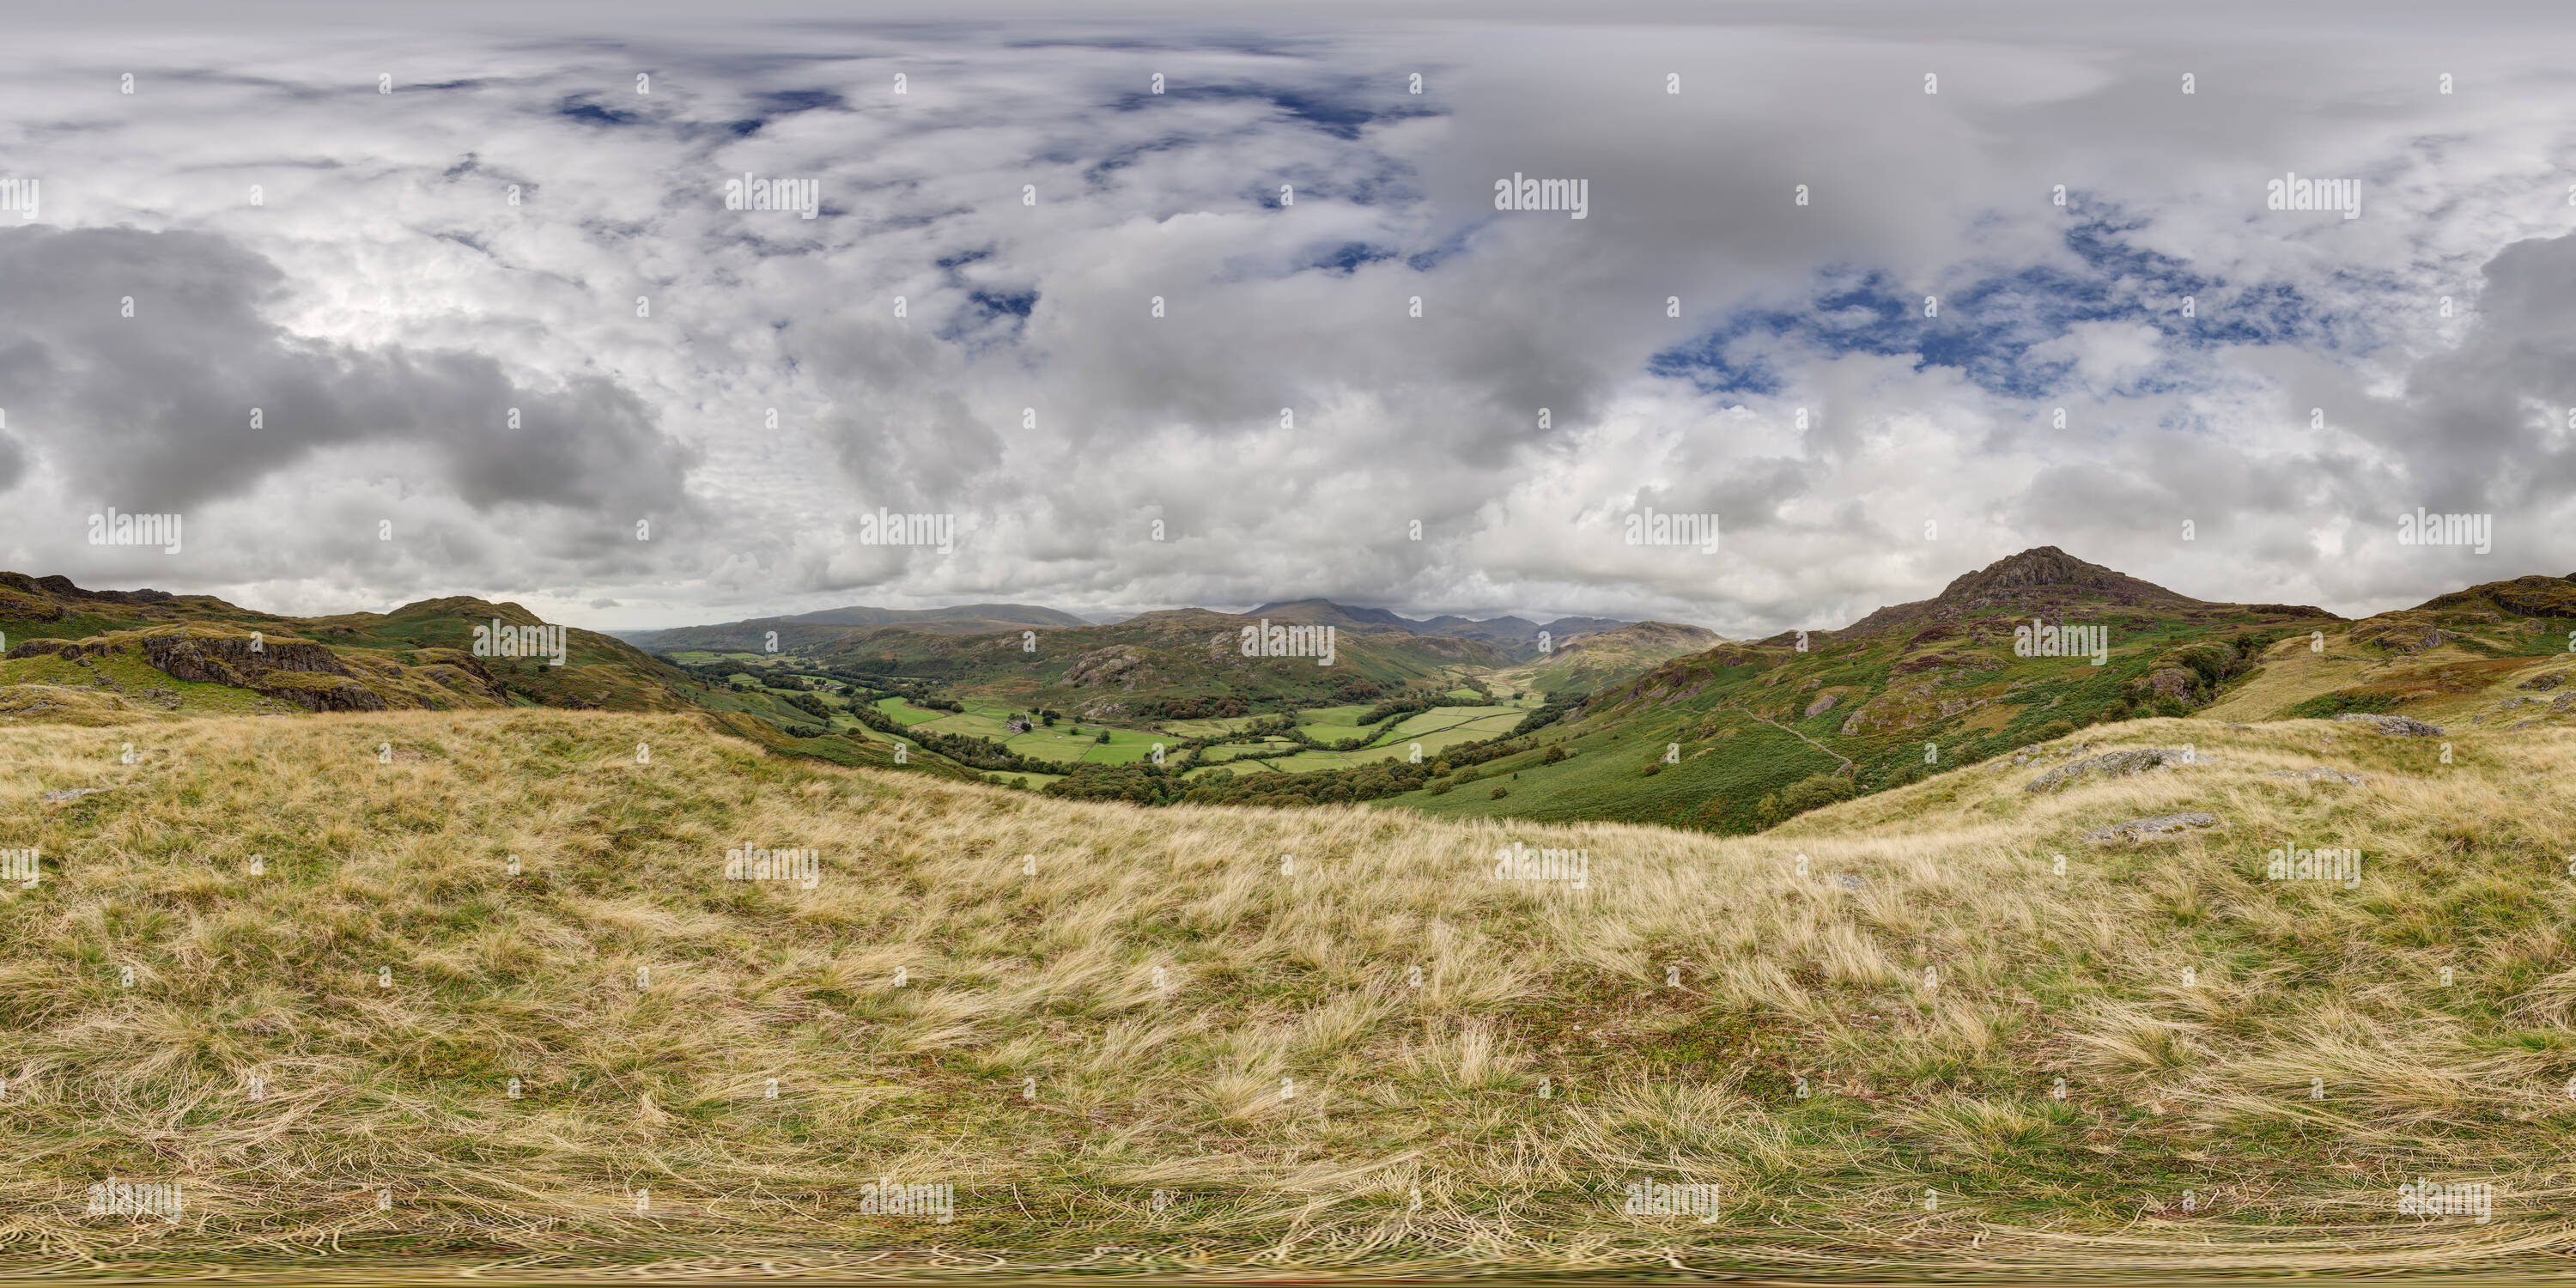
{"x": 1112, "y": 1028}
{"x": 1394, "y": 739}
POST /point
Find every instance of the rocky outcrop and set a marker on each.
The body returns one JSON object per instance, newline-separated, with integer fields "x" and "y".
{"x": 2321, "y": 774}
{"x": 235, "y": 659}
{"x": 2171, "y": 682}
{"x": 317, "y": 691}
{"x": 1906, "y": 706}
{"x": 2112, "y": 764}
{"x": 2146, "y": 829}
{"x": 1117, "y": 664}
{"x": 2393, "y": 726}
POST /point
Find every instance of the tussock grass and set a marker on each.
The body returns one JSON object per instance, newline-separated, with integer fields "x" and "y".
{"x": 1034, "y": 1058}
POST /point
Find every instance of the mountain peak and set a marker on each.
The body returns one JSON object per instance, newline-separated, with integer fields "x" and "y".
{"x": 2049, "y": 568}
{"x": 2043, "y": 579}
{"x": 1325, "y": 612}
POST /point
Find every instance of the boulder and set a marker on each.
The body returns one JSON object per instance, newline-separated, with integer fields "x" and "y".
{"x": 2170, "y": 682}
{"x": 2142, "y": 829}
{"x": 2321, "y": 774}
{"x": 2394, "y": 726}
{"x": 2110, "y": 764}
{"x": 230, "y": 659}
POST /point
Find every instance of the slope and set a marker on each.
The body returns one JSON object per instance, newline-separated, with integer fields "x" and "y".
{"x": 806, "y": 630}
{"x": 1138, "y": 1041}
{"x": 1728, "y": 739}
{"x": 134, "y": 655}
{"x": 1180, "y": 664}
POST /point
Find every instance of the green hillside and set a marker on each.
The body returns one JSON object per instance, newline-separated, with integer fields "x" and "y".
{"x": 1178, "y": 665}
{"x": 1740, "y": 736}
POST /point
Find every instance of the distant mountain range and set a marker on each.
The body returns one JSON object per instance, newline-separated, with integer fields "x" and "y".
{"x": 1646, "y": 722}
{"x": 1513, "y": 631}
{"x": 799, "y": 630}
{"x": 1738, "y": 736}
{"x": 836, "y": 625}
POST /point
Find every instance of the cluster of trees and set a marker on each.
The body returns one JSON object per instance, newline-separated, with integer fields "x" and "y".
{"x": 1407, "y": 705}
{"x": 1194, "y": 707}
{"x": 1148, "y": 784}
{"x": 1557, "y": 707}
{"x": 1813, "y": 792}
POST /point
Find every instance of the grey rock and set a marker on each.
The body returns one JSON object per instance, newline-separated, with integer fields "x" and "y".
{"x": 2321, "y": 774}
{"x": 2110, "y": 764}
{"x": 1849, "y": 882}
{"x": 75, "y": 793}
{"x": 2140, "y": 829}
{"x": 2394, "y": 726}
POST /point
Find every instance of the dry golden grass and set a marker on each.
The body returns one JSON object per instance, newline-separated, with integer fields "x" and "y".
{"x": 1125, "y": 1018}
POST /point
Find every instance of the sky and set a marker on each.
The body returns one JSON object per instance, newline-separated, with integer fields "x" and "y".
{"x": 1157, "y": 305}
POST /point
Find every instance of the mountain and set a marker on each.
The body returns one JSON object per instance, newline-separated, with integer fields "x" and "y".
{"x": 1517, "y": 633}
{"x": 111, "y": 657}
{"x": 1324, "y": 612}
{"x": 801, "y": 630}
{"x": 1181, "y": 663}
{"x": 2039, "y": 582}
{"x": 1602, "y": 659}
{"x": 1718, "y": 738}
{"x": 2496, "y": 651}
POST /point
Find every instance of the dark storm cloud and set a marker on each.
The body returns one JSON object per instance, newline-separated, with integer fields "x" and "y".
{"x": 156, "y": 409}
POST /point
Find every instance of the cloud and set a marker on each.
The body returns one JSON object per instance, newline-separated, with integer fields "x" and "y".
{"x": 1113, "y": 316}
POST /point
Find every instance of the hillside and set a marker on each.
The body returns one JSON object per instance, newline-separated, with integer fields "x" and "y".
{"x": 121, "y": 656}
{"x": 1739, "y": 736}
{"x": 1179, "y": 664}
{"x": 1517, "y": 636}
{"x": 1137, "y": 1041}
{"x": 1602, "y": 659}
{"x": 2498, "y": 651}
{"x": 806, "y": 630}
